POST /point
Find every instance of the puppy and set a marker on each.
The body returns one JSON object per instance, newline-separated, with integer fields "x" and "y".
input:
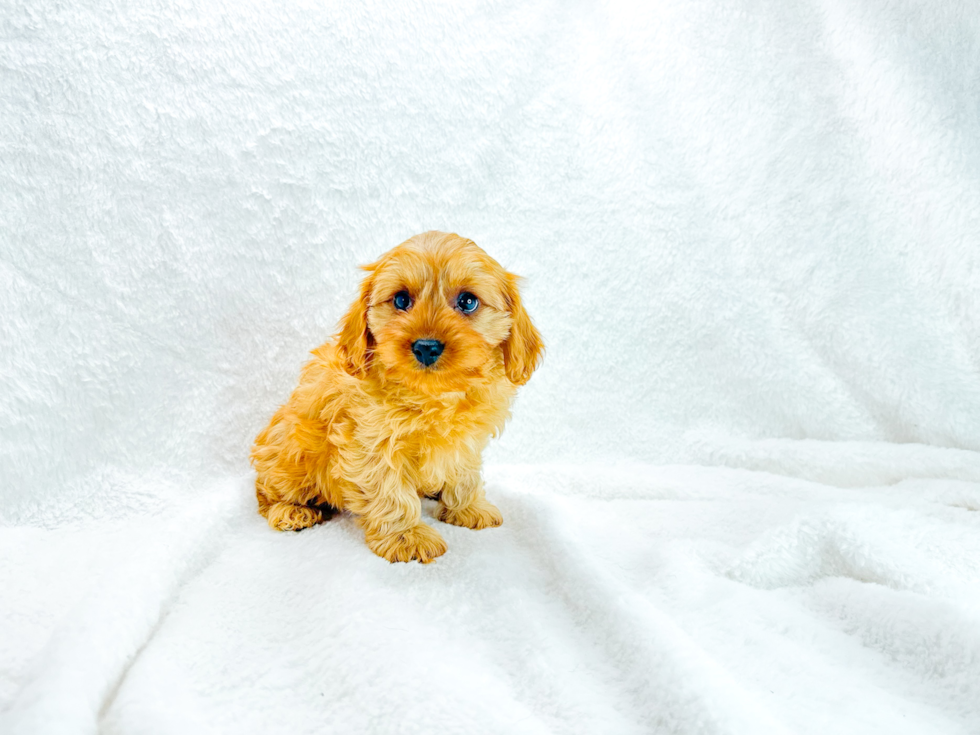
{"x": 402, "y": 403}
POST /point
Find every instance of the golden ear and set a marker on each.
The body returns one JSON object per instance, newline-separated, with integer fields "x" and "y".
{"x": 523, "y": 349}
{"x": 354, "y": 341}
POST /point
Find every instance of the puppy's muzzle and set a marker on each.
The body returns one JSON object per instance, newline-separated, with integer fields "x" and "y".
{"x": 427, "y": 351}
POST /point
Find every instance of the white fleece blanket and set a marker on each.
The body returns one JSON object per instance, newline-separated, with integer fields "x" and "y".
{"x": 826, "y": 588}
{"x": 741, "y": 494}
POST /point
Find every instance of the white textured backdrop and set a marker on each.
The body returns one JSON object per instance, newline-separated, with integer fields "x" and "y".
{"x": 758, "y": 221}
{"x": 737, "y": 221}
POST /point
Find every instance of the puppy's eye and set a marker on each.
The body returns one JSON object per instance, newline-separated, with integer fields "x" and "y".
{"x": 467, "y": 302}
{"x": 402, "y": 300}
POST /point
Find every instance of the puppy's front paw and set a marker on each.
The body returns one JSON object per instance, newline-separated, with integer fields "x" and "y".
{"x": 478, "y": 514}
{"x": 420, "y": 542}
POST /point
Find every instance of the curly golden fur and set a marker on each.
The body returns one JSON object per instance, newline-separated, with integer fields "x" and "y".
{"x": 371, "y": 430}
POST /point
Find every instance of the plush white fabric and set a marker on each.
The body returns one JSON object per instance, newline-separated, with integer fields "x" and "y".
{"x": 739, "y": 496}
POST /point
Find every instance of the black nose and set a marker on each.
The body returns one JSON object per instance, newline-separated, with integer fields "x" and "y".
{"x": 427, "y": 351}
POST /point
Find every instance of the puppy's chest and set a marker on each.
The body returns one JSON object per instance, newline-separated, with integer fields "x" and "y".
{"x": 446, "y": 440}
{"x": 439, "y": 460}
{"x": 448, "y": 430}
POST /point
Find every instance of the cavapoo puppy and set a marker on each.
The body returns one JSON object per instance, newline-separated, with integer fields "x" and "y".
{"x": 402, "y": 403}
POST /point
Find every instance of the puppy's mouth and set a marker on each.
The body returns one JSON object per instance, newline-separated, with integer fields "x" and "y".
{"x": 432, "y": 364}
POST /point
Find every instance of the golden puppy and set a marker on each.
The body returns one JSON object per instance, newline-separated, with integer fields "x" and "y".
{"x": 402, "y": 403}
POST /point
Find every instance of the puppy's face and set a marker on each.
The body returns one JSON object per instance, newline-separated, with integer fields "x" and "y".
{"x": 435, "y": 314}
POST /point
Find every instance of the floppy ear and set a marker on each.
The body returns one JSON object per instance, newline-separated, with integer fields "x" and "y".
{"x": 523, "y": 349}
{"x": 354, "y": 341}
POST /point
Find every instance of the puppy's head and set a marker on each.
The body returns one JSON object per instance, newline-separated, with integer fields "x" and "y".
{"x": 436, "y": 314}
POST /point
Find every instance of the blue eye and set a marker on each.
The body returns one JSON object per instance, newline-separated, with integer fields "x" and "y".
{"x": 467, "y": 302}
{"x": 402, "y": 300}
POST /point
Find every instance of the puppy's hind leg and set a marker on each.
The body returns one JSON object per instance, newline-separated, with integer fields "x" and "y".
{"x": 286, "y": 516}
{"x": 291, "y": 517}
